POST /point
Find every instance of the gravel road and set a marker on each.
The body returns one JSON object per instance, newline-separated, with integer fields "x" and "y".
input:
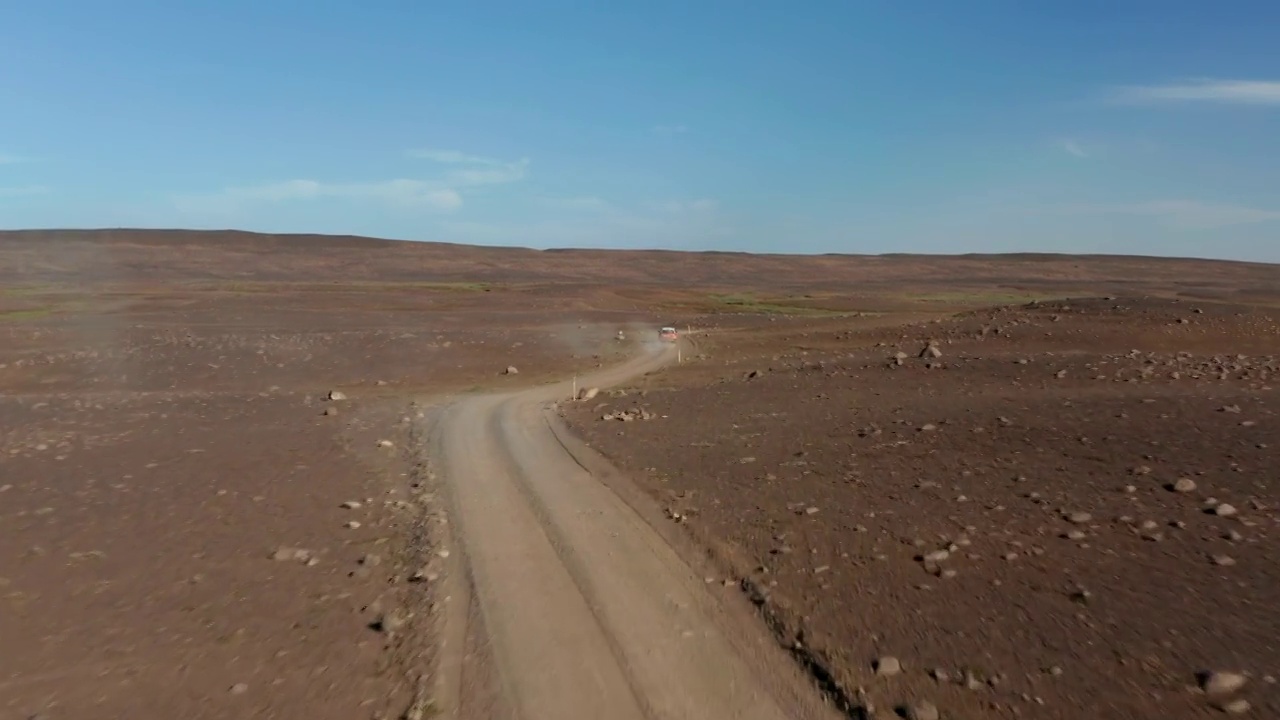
{"x": 577, "y": 607}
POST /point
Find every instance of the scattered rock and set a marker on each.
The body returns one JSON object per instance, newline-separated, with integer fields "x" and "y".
{"x": 1079, "y": 518}
{"x": 239, "y": 689}
{"x": 1224, "y": 560}
{"x": 1183, "y": 485}
{"x": 888, "y": 666}
{"x": 1224, "y": 510}
{"x": 291, "y": 554}
{"x": 1221, "y": 682}
{"x": 1239, "y": 706}
{"x": 351, "y": 505}
{"x": 1075, "y": 535}
{"x": 971, "y": 681}
{"x": 588, "y": 394}
{"x": 331, "y": 411}
{"x": 337, "y": 395}
{"x": 922, "y": 710}
{"x": 389, "y": 622}
{"x": 511, "y": 370}
{"x": 385, "y": 443}
{"x": 352, "y": 524}
{"x": 423, "y": 575}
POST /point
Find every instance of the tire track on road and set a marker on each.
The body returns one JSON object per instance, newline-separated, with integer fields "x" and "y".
{"x": 587, "y": 612}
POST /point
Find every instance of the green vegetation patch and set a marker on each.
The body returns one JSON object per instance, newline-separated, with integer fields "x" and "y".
{"x": 748, "y": 303}
{"x": 26, "y": 314}
{"x": 249, "y": 287}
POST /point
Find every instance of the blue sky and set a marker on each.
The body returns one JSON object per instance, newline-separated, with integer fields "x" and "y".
{"x": 1148, "y": 127}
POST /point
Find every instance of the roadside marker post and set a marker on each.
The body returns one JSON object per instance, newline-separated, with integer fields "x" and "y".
{"x": 575, "y": 388}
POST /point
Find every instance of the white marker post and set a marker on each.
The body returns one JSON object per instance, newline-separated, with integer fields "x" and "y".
{"x": 575, "y": 388}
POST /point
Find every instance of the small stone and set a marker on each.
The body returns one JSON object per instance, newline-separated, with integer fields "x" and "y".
{"x": 351, "y": 505}
{"x": 888, "y": 666}
{"x": 1184, "y": 485}
{"x": 1075, "y": 535}
{"x": 389, "y": 622}
{"x": 331, "y": 410}
{"x": 922, "y": 710}
{"x": 239, "y": 689}
{"x": 352, "y": 524}
{"x": 941, "y": 675}
{"x": 1239, "y": 706}
{"x": 285, "y": 554}
{"x": 1233, "y": 536}
{"x": 1224, "y": 560}
{"x": 928, "y": 427}
{"x": 384, "y": 443}
{"x": 1055, "y": 671}
{"x": 370, "y": 560}
{"x": 810, "y": 511}
{"x": 937, "y": 556}
{"x": 1224, "y": 510}
{"x": 337, "y": 395}
{"x": 1221, "y": 682}
{"x": 512, "y": 370}
{"x": 1079, "y": 518}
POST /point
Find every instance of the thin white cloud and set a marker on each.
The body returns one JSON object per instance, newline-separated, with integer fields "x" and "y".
{"x": 1183, "y": 214}
{"x": 490, "y": 174}
{"x": 407, "y": 193}
{"x": 701, "y": 205}
{"x": 23, "y": 191}
{"x": 9, "y": 159}
{"x": 580, "y": 203}
{"x": 478, "y": 171}
{"x": 1241, "y": 92}
{"x": 1071, "y": 147}
{"x": 451, "y": 157}
{"x": 670, "y": 129}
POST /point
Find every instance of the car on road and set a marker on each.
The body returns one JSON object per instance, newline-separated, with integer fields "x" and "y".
{"x": 668, "y": 334}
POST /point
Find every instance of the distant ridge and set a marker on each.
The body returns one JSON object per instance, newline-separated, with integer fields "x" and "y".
{"x": 122, "y": 255}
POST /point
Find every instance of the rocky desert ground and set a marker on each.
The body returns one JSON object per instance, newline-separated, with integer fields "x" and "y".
{"x": 965, "y": 487}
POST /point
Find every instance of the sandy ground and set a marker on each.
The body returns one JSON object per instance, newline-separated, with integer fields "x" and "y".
{"x": 192, "y": 528}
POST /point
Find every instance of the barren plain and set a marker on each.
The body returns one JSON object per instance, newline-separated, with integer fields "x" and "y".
{"x": 222, "y": 488}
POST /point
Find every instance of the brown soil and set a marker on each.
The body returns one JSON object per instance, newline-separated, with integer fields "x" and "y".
{"x": 163, "y": 438}
{"x": 1037, "y": 453}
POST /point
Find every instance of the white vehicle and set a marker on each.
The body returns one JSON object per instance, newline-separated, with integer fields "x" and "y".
{"x": 668, "y": 334}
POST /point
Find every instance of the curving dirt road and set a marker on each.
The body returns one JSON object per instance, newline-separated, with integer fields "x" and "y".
{"x": 574, "y": 607}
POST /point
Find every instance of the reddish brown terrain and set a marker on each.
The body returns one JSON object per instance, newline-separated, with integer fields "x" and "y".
{"x": 192, "y": 528}
{"x": 1070, "y": 511}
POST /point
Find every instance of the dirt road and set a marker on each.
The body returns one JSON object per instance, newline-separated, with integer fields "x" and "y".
{"x": 578, "y": 607}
